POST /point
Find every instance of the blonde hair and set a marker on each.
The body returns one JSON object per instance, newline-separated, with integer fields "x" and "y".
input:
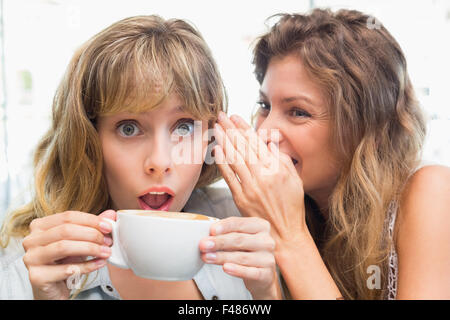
{"x": 378, "y": 131}
{"x": 132, "y": 66}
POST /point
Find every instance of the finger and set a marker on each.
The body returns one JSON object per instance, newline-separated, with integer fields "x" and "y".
{"x": 231, "y": 156}
{"x": 236, "y": 241}
{"x": 283, "y": 158}
{"x": 248, "y": 273}
{"x": 224, "y": 121}
{"x": 240, "y": 142}
{"x": 43, "y": 275}
{"x": 73, "y": 217}
{"x": 109, "y": 214}
{"x": 64, "y": 232}
{"x": 258, "y": 259}
{"x": 106, "y": 226}
{"x": 55, "y": 251}
{"x": 256, "y": 143}
{"x": 259, "y": 147}
{"x": 227, "y": 173}
{"x": 240, "y": 224}
{"x": 240, "y": 123}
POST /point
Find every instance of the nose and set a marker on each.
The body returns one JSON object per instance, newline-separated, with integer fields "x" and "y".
{"x": 158, "y": 161}
{"x": 270, "y": 129}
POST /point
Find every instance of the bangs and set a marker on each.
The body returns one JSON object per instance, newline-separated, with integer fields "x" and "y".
{"x": 135, "y": 85}
{"x": 139, "y": 74}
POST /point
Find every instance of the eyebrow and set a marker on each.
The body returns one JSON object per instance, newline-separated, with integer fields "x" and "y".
{"x": 291, "y": 99}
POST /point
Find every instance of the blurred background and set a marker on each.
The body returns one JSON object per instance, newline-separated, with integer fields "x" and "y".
{"x": 38, "y": 38}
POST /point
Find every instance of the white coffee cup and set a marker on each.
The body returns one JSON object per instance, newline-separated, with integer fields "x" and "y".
{"x": 159, "y": 245}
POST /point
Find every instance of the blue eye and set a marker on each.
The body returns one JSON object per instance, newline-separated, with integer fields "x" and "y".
{"x": 128, "y": 129}
{"x": 184, "y": 128}
{"x": 299, "y": 113}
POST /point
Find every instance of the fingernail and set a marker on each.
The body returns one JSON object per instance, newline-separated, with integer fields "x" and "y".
{"x": 210, "y": 256}
{"x": 209, "y": 244}
{"x": 108, "y": 241}
{"x": 105, "y": 251}
{"x": 105, "y": 226}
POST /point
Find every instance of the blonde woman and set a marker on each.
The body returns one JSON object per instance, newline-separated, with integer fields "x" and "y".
{"x": 132, "y": 95}
{"x": 354, "y": 213}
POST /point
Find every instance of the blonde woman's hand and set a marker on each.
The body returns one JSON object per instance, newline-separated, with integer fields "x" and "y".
{"x": 244, "y": 247}
{"x": 57, "y": 248}
{"x": 264, "y": 181}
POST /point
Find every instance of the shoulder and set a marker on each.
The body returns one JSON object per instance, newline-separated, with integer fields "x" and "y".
{"x": 422, "y": 237}
{"x": 430, "y": 174}
{"x": 426, "y": 195}
{"x": 211, "y": 201}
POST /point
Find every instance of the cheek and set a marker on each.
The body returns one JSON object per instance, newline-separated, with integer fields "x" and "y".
{"x": 187, "y": 176}
{"x": 116, "y": 169}
{"x": 195, "y": 153}
{"x": 188, "y": 158}
{"x": 315, "y": 150}
{"x": 189, "y": 151}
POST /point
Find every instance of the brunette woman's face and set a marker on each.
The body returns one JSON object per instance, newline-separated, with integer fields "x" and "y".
{"x": 292, "y": 103}
{"x": 152, "y": 160}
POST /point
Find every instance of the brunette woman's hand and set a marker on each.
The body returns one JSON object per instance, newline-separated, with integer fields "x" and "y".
{"x": 57, "y": 248}
{"x": 263, "y": 180}
{"x": 244, "y": 247}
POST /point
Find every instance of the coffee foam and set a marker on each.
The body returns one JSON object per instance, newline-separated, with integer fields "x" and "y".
{"x": 170, "y": 215}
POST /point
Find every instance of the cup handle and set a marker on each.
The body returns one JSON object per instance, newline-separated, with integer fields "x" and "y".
{"x": 116, "y": 258}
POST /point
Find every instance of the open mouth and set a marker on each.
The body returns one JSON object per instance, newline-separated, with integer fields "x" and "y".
{"x": 156, "y": 200}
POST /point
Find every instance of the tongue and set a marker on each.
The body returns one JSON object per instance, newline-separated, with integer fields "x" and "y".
{"x": 155, "y": 200}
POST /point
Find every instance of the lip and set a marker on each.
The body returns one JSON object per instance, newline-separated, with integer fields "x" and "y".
{"x": 158, "y": 189}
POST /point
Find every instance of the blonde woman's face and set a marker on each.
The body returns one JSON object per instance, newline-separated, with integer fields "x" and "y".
{"x": 291, "y": 103}
{"x": 152, "y": 160}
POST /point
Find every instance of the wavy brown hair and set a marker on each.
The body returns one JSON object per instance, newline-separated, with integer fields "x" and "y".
{"x": 378, "y": 131}
{"x": 130, "y": 66}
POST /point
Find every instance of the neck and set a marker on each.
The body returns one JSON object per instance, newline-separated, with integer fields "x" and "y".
{"x": 321, "y": 198}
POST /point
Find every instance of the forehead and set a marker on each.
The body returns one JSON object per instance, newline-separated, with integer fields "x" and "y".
{"x": 287, "y": 77}
{"x": 142, "y": 104}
